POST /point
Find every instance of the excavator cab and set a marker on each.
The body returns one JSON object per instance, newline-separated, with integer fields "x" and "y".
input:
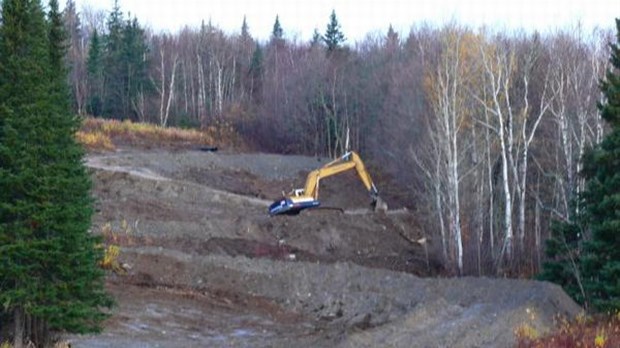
{"x": 297, "y": 192}
{"x": 306, "y": 198}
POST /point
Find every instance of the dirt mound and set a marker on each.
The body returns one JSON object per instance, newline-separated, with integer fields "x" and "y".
{"x": 206, "y": 265}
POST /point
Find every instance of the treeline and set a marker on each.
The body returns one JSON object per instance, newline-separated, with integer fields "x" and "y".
{"x": 483, "y": 130}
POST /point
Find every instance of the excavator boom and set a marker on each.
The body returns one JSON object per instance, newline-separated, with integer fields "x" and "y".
{"x": 307, "y": 197}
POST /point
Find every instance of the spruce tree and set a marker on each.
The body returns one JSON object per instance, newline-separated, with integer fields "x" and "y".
{"x": 333, "y": 37}
{"x": 277, "y": 33}
{"x": 123, "y": 58}
{"x": 113, "y": 71}
{"x": 563, "y": 251}
{"x": 392, "y": 41}
{"x": 256, "y": 74}
{"x": 94, "y": 69}
{"x": 135, "y": 77}
{"x": 601, "y": 169}
{"x": 316, "y": 38}
{"x": 48, "y": 259}
{"x": 245, "y": 31}
{"x": 584, "y": 254}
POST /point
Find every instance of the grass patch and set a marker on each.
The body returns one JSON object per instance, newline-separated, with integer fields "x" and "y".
{"x": 98, "y": 134}
{"x": 596, "y": 332}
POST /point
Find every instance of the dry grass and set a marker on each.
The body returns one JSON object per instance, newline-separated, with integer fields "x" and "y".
{"x": 583, "y": 332}
{"x": 61, "y": 344}
{"x": 99, "y": 134}
{"x": 113, "y": 239}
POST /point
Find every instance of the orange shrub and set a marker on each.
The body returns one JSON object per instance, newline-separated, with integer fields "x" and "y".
{"x": 594, "y": 332}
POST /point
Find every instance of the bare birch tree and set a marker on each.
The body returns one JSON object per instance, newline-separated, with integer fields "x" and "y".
{"x": 498, "y": 71}
{"x": 448, "y": 88}
{"x": 168, "y": 63}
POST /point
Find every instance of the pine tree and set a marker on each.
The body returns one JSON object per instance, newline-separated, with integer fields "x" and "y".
{"x": 585, "y": 253}
{"x": 48, "y": 260}
{"x": 333, "y": 37}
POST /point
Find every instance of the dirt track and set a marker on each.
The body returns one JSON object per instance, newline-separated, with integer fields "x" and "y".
{"x": 207, "y": 266}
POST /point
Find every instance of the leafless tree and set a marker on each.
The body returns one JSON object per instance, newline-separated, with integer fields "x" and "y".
{"x": 168, "y": 62}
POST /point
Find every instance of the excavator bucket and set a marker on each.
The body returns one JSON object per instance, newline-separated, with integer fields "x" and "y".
{"x": 380, "y": 205}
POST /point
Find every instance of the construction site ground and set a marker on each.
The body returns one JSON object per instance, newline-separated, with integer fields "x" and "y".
{"x": 203, "y": 265}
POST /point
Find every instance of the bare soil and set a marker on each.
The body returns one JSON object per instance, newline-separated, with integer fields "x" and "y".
{"x": 207, "y": 267}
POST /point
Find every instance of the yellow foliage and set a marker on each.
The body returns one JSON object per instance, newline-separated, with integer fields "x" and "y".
{"x": 110, "y": 257}
{"x": 30, "y": 344}
{"x": 449, "y": 85}
{"x": 100, "y": 134}
{"x": 114, "y": 239}
{"x": 582, "y": 319}
{"x": 600, "y": 340}
{"x": 95, "y": 140}
{"x": 526, "y": 331}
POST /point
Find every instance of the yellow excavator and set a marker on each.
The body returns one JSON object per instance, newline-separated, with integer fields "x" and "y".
{"x": 306, "y": 198}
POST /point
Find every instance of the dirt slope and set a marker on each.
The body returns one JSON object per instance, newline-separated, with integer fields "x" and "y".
{"x": 208, "y": 267}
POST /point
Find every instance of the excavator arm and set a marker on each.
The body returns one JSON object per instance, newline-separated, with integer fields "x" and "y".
{"x": 349, "y": 161}
{"x": 300, "y": 199}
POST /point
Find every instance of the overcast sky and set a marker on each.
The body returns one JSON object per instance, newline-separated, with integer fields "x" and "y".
{"x": 361, "y": 17}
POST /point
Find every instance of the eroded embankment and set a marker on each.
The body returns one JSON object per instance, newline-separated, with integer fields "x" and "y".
{"x": 368, "y": 307}
{"x": 206, "y": 266}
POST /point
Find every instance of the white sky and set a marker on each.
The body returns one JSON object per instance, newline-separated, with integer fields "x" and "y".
{"x": 361, "y": 17}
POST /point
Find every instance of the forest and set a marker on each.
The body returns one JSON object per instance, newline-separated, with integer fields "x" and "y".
{"x": 482, "y": 129}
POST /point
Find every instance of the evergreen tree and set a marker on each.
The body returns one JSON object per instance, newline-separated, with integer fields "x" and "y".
{"x": 601, "y": 260}
{"x": 75, "y": 58}
{"x": 135, "y": 78}
{"x": 277, "y": 33}
{"x": 592, "y": 240}
{"x": 611, "y": 85}
{"x": 563, "y": 251}
{"x": 113, "y": 72}
{"x": 94, "y": 69}
{"x": 256, "y": 74}
{"x": 333, "y": 37}
{"x": 392, "y": 41}
{"x": 601, "y": 169}
{"x": 48, "y": 260}
{"x": 245, "y": 31}
{"x": 124, "y": 60}
{"x": 57, "y": 38}
{"x": 316, "y": 38}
